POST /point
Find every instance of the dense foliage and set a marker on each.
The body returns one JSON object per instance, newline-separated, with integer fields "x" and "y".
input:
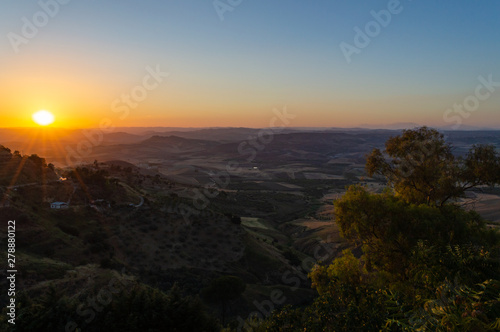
{"x": 134, "y": 308}
{"x": 18, "y": 169}
{"x": 427, "y": 264}
{"x": 421, "y": 168}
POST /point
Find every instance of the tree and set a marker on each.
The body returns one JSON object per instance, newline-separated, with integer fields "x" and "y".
{"x": 343, "y": 270}
{"x": 424, "y": 177}
{"x": 223, "y": 290}
{"x": 455, "y": 308}
{"x": 421, "y": 168}
{"x": 39, "y": 162}
{"x": 3, "y": 148}
{"x": 136, "y": 307}
{"x": 388, "y": 228}
{"x": 427, "y": 264}
{"x": 481, "y": 166}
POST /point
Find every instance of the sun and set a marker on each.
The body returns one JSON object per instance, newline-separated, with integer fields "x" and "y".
{"x": 43, "y": 117}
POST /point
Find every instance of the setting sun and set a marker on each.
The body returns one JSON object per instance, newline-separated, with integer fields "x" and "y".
{"x": 43, "y": 118}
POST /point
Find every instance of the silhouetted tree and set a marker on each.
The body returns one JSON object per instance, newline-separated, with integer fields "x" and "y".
{"x": 421, "y": 168}
{"x": 6, "y": 149}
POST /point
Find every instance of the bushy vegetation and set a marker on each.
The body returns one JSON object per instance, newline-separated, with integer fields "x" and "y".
{"x": 134, "y": 308}
{"x": 427, "y": 264}
{"x": 17, "y": 169}
{"x": 417, "y": 260}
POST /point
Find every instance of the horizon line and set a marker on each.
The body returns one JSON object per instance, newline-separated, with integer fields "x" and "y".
{"x": 361, "y": 127}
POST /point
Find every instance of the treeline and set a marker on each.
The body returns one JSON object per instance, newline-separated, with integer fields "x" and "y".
{"x": 118, "y": 307}
{"x": 427, "y": 263}
{"x": 16, "y": 168}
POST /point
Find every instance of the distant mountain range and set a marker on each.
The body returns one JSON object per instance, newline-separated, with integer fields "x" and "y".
{"x": 138, "y": 143}
{"x": 412, "y": 125}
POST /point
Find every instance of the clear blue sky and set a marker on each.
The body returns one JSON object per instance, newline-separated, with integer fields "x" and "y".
{"x": 264, "y": 54}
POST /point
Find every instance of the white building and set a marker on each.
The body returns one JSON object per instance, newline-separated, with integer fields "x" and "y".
{"x": 59, "y": 205}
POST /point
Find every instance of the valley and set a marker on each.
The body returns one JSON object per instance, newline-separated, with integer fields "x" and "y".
{"x": 172, "y": 210}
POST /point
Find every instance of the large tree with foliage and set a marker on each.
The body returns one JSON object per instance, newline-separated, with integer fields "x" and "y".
{"x": 427, "y": 263}
{"x": 388, "y": 228}
{"x": 420, "y": 167}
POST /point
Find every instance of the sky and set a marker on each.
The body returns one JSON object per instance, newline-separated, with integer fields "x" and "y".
{"x": 194, "y": 63}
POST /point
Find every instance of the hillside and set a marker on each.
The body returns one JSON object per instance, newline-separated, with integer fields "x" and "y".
{"x": 171, "y": 218}
{"x": 158, "y": 242}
